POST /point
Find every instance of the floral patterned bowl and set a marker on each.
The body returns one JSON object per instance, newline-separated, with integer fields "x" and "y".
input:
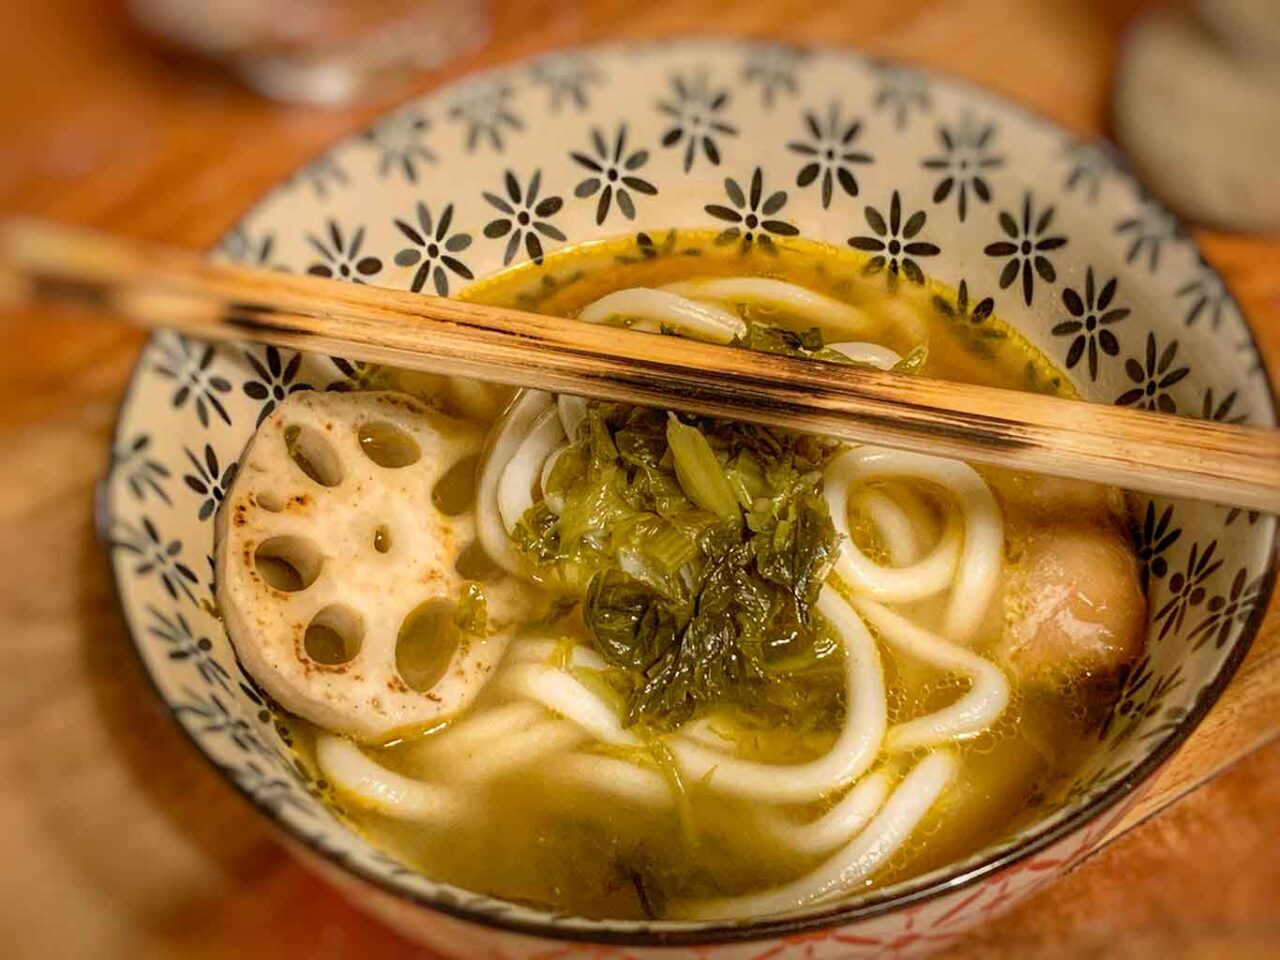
{"x": 921, "y": 172}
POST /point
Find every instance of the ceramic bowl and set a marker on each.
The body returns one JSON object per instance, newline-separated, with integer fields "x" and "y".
{"x": 500, "y": 168}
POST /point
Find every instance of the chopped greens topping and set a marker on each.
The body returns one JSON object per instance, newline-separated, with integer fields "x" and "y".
{"x": 698, "y": 471}
{"x": 914, "y": 361}
{"x": 809, "y": 344}
{"x": 768, "y": 338}
{"x": 699, "y": 548}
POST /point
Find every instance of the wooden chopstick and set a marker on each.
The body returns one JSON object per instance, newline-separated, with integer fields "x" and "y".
{"x": 159, "y": 287}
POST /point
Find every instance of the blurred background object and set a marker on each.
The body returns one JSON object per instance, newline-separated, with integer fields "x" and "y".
{"x": 1250, "y": 29}
{"x": 320, "y": 51}
{"x": 1197, "y": 107}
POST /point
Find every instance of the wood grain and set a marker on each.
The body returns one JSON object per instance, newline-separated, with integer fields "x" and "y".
{"x": 116, "y": 839}
{"x": 158, "y": 287}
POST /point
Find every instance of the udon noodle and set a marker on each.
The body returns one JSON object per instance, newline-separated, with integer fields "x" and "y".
{"x": 952, "y": 669}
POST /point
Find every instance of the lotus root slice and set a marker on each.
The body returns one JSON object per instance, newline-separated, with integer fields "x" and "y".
{"x": 330, "y": 538}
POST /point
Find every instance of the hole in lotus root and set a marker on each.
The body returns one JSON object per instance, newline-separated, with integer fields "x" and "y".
{"x": 313, "y": 454}
{"x": 333, "y": 637}
{"x": 270, "y": 501}
{"x": 382, "y": 538}
{"x": 288, "y": 563}
{"x": 387, "y": 445}
{"x": 428, "y": 639}
{"x": 474, "y": 564}
{"x": 455, "y": 491}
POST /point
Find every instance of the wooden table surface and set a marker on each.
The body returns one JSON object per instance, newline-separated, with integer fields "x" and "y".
{"x": 115, "y": 838}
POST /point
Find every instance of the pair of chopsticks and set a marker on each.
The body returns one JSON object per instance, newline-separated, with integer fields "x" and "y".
{"x": 157, "y": 287}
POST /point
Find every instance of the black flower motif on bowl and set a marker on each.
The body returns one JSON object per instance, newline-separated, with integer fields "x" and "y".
{"x": 273, "y": 379}
{"x": 1142, "y": 699}
{"x": 208, "y": 479}
{"x": 1206, "y": 296}
{"x": 434, "y": 244}
{"x": 1227, "y": 611}
{"x": 1224, "y": 411}
{"x": 773, "y": 68}
{"x": 971, "y": 319}
{"x": 184, "y": 645}
{"x": 751, "y": 218}
{"x": 828, "y": 153}
{"x": 1187, "y": 587}
{"x": 239, "y": 247}
{"x": 190, "y": 366}
{"x": 323, "y": 175}
{"x": 486, "y": 113}
{"x": 1155, "y": 536}
{"x": 1221, "y": 409}
{"x": 270, "y": 791}
{"x": 207, "y": 714}
{"x": 356, "y": 375}
{"x": 901, "y": 91}
{"x": 1085, "y": 166}
{"x": 548, "y": 285}
{"x": 962, "y": 311}
{"x": 894, "y": 245}
{"x": 1154, "y": 377}
{"x": 1147, "y": 232}
{"x": 612, "y": 173}
{"x": 696, "y": 110}
{"x": 649, "y": 248}
{"x": 156, "y": 556}
{"x": 144, "y": 475}
{"x": 340, "y": 255}
{"x": 964, "y": 162}
{"x": 1087, "y": 326}
{"x": 401, "y": 142}
{"x": 567, "y": 78}
{"x": 1027, "y": 248}
{"x": 524, "y": 216}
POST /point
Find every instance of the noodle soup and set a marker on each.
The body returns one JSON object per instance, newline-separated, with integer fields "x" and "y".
{"x": 669, "y": 667}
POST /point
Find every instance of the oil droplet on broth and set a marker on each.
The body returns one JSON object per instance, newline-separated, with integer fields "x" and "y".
{"x": 455, "y": 491}
{"x": 387, "y": 445}
{"x": 427, "y": 641}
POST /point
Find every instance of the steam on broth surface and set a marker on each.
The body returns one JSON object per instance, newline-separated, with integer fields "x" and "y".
{"x": 698, "y": 669}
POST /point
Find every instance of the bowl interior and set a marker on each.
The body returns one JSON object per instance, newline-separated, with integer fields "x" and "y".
{"x": 737, "y": 137}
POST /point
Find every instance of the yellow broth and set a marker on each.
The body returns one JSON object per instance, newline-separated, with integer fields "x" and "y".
{"x": 570, "y": 850}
